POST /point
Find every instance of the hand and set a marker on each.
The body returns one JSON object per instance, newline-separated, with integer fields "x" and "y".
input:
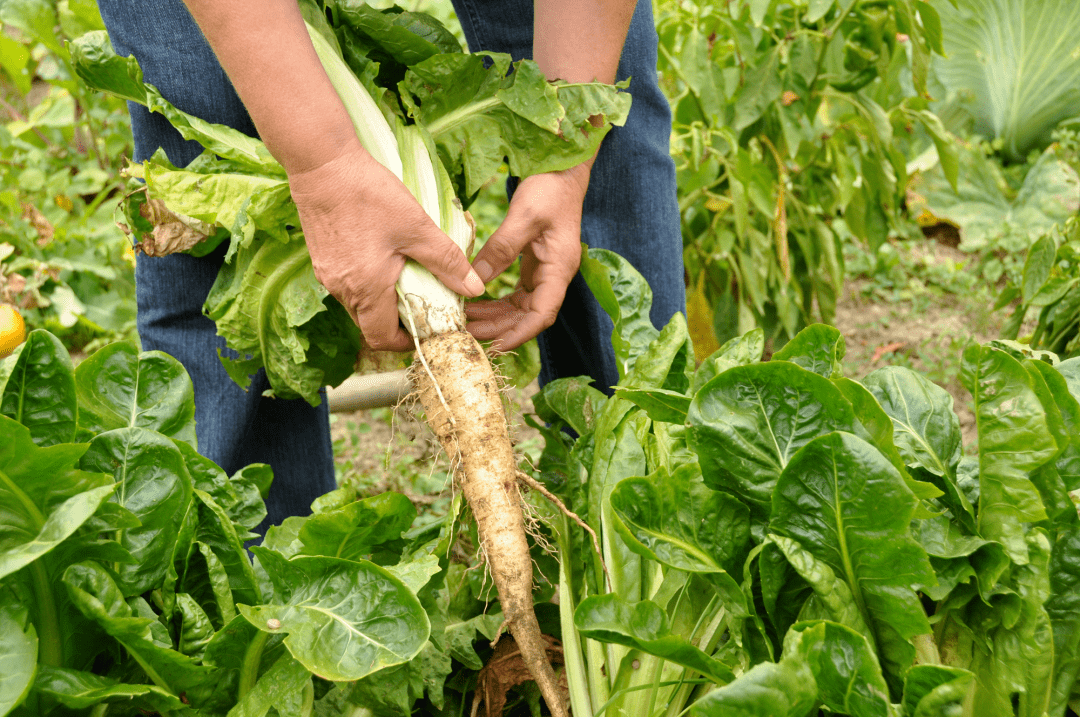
{"x": 360, "y": 223}
{"x": 543, "y": 225}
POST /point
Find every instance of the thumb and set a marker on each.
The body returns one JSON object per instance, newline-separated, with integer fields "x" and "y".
{"x": 438, "y": 253}
{"x": 505, "y": 244}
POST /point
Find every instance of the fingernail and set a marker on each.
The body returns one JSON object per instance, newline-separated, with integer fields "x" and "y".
{"x": 483, "y": 269}
{"x": 474, "y": 284}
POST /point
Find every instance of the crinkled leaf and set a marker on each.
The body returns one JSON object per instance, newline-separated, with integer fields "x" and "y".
{"x": 277, "y": 316}
{"x": 278, "y": 688}
{"x": 43, "y": 498}
{"x": 572, "y": 400}
{"x": 644, "y": 626}
{"x": 849, "y": 507}
{"x": 1014, "y": 440}
{"x": 344, "y": 619}
{"x": 831, "y": 592}
{"x": 739, "y": 351}
{"x": 40, "y": 389}
{"x": 935, "y": 690}
{"x": 477, "y": 114}
{"x": 1067, "y": 463}
{"x": 152, "y": 481}
{"x": 407, "y": 37}
{"x": 118, "y": 387}
{"x": 747, "y": 423}
{"x": 216, "y": 530}
{"x": 1063, "y": 608}
{"x": 844, "y": 664}
{"x": 195, "y": 628}
{"x": 661, "y": 405}
{"x": 771, "y": 689}
{"x": 352, "y": 531}
{"x": 818, "y": 348}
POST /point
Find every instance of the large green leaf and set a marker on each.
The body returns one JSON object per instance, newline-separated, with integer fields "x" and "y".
{"x": 1013, "y": 59}
{"x": 353, "y": 530}
{"x": 478, "y": 112}
{"x": 771, "y": 689}
{"x": 846, "y": 670}
{"x": 119, "y": 387}
{"x": 849, "y": 507}
{"x": 344, "y": 619}
{"x": 76, "y": 690}
{"x": 572, "y": 400}
{"x": 749, "y": 421}
{"x": 818, "y": 348}
{"x": 37, "y": 388}
{"x": 18, "y": 652}
{"x": 1014, "y": 440}
{"x": 644, "y": 626}
{"x": 43, "y": 498}
{"x": 279, "y": 688}
{"x": 152, "y": 481}
{"x": 935, "y": 690}
{"x": 1063, "y": 608}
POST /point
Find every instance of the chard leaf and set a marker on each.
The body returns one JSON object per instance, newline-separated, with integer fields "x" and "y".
{"x": 395, "y": 690}
{"x": 926, "y": 432}
{"x": 95, "y": 594}
{"x": 643, "y": 626}
{"x": 770, "y": 689}
{"x": 661, "y": 405}
{"x": 238, "y": 496}
{"x": 273, "y": 312}
{"x": 43, "y": 498}
{"x": 846, "y": 670}
{"x": 477, "y": 114}
{"x": 205, "y": 579}
{"x": 831, "y": 593}
{"x": 935, "y": 690}
{"x": 739, "y": 351}
{"x": 674, "y": 519}
{"x": 353, "y": 531}
{"x": 625, "y": 296}
{"x": 18, "y": 652}
{"x": 1063, "y": 609}
{"x": 1067, "y": 462}
{"x": 747, "y": 423}
{"x": 849, "y": 507}
{"x": 407, "y": 37}
{"x": 78, "y": 690}
{"x": 119, "y": 387}
{"x": 818, "y": 348}
{"x": 572, "y": 400}
{"x": 39, "y": 390}
{"x": 216, "y": 530}
{"x": 195, "y": 628}
{"x": 152, "y": 481}
{"x": 344, "y": 619}
{"x": 783, "y": 589}
{"x": 278, "y": 688}
{"x": 1014, "y": 439}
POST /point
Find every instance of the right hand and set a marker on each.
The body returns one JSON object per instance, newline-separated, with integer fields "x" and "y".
{"x": 361, "y": 223}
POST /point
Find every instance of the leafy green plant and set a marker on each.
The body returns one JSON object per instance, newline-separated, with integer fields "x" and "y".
{"x": 778, "y": 539}
{"x": 788, "y": 116}
{"x": 1007, "y": 63}
{"x": 62, "y": 261}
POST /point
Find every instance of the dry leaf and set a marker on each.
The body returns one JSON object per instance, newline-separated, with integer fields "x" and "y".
{"x": 506, "y": 670}
{"x": 172, "y": 232}
{"x": 886, "y": 349}
{"x": 37, "y": 220}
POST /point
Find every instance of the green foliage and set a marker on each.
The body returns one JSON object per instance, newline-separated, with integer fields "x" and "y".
{"x": 62, "y": 260}
{"x": 135, "y": 543}
{"x": 787, "y": 117}
{"x": 822, "y": 538}
{"x": 1009, "y": 68}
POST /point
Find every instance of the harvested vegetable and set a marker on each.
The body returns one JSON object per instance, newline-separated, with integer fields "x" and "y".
{"x": 12, "y": 329}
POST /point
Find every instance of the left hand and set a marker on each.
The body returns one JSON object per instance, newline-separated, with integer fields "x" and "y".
{"x": 543, "y": 225}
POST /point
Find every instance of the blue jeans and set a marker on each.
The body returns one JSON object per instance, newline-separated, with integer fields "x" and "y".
{"x": 630, "y": 208}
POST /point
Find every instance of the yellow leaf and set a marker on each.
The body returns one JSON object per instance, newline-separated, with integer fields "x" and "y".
{"x": 699, "y": 317}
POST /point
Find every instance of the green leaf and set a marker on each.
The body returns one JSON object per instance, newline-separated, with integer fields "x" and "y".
{"x": 152, "y": 481}
{"x": 818, "y": 348}
{"x": 760, "y": 89}
{"x": 477, "y": 114}
{"x": 408, "y": 37}
{"x": 849, "y": 507}
{"x": 623, "y": 293}
{"x": 571, "y": 400}
{"x": 1037, "y": 266}
{"x": 771, "y": 689}
{"x": 935, "y": 690}
{"x": 644, "y": 626}
{"x": 945, "y": 144}
{"x": 674, "y": 519}
{"x": 817, "y": 9}
{"x": 847, "y": 672}
{"x": 278, "y": 688}
{"x": 1006, "y": 56}
{"x": 343, "y": 619}
{"x": 18, "y": 652}
{"x": 739, "y": 351}
{"x": 1063, "y": 609}
{"x": 661, "y": 405}
{"x": 831, "y": 593}
{"x": 36, "y": 18}
{"x": 40, "y": 389}
{"x": 1014, "y": 440}
{"x": 77, "y": 690}
{"x": 119, "y": 387}
{"x": 43, "y": 498}
{"x": 195, "y": 627}
{"x": 354, "y": 530}
{"x": 746, "y": 424}
{"x": 926, "y": 431}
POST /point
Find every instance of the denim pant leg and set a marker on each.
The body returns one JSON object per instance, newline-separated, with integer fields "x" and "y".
{"x": 234, "y": 427}
{"x": 631, "y": 206}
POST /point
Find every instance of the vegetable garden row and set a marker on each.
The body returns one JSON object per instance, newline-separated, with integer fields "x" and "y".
{"x": 743, "y": 528}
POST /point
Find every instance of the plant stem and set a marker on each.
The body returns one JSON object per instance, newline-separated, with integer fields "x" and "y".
{"x": 99, "y": 710}
{"x": 307, "y": 702}
{"x": 249, "y": 670}
{"x": 48, "y": 626}
{"x": 577, "y": 678}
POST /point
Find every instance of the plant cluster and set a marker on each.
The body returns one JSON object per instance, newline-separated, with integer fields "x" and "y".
{"x": 62, "y": 262}
{"x": 788, "y": 116}
{"x": 778, "y": 539}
